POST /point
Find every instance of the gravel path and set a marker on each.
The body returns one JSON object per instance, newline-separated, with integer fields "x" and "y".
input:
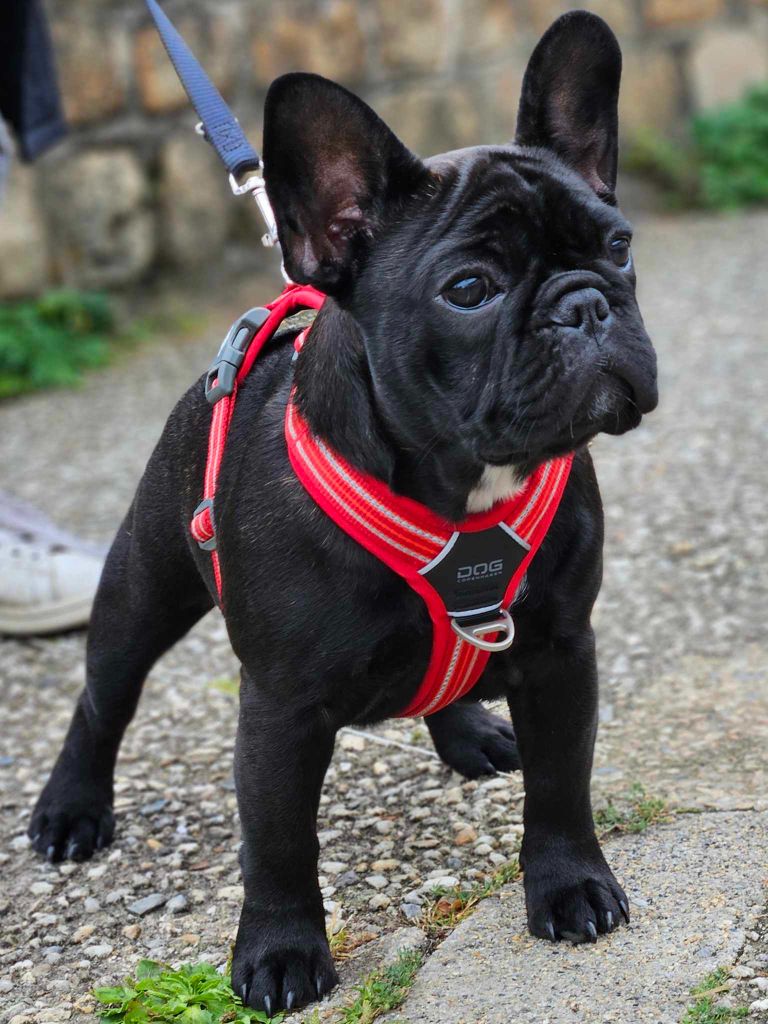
{"x": 683, "y": 645}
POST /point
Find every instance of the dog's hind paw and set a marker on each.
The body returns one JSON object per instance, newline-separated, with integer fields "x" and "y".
{"x": 473, "y": 741}
{"x": 70, "y": 822}
{"x": 281, "y": 966}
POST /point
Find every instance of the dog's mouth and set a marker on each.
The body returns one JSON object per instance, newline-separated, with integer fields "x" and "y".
{"x": 610, "y": 407}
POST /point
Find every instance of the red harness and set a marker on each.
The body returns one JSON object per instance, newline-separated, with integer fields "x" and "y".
{"x": 467, "y": 573}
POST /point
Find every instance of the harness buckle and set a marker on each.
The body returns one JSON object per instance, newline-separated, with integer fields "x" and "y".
{"x": 474, "y": 634}
{"x": 221, "y": 375}
{"x": 210, "y": 544}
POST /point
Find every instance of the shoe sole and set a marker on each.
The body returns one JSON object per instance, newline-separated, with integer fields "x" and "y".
{"x": 49, "y": 618}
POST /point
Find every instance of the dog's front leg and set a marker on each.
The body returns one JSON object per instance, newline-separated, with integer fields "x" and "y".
{"x": 281, "y": 958}
{"x": 570, "y": 891}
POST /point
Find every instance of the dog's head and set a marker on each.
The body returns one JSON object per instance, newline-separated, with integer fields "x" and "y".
{"x": 493, "y": 287}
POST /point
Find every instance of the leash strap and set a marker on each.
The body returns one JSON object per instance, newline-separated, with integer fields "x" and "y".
{"x": 222, "y": 128}
{"x": 218, "y": 124}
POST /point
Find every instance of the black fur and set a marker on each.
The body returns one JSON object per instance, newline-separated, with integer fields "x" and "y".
{"x": 424, "y": 396}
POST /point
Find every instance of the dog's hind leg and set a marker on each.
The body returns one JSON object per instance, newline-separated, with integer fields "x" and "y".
{"x": 150, "y": 595}
{"x": 473, "y": 740}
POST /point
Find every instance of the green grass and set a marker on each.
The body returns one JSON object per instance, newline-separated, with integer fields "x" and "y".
{"x": 381, "y": 991}
{"x": 723, "y": 163}
{"x": 641, "y": 812}
{"x": 451, "y": 906}
{"x": 704, "y": 1010}
{"x": 192, "y": 994}
{"x": 198, "y": 994}
{"x": 227, "y": 685}
{"x": 50, "y": 341}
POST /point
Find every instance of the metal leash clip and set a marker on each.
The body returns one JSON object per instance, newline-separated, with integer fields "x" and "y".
{"x": 254, "y": 184}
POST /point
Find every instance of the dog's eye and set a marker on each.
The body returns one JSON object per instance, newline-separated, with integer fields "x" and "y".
{"x": 620, "y": 251}
{"x": 469, "y": 293}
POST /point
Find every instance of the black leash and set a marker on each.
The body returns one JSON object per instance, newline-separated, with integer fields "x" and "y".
{"x": 217, "y": 122}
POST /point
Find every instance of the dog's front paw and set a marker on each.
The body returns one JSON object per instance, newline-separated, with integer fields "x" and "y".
{"x": 71, "y": 820}
{"x": 281, "y": 965}
{"x": 572, "y": 897}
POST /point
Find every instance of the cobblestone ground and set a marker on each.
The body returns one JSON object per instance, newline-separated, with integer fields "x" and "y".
{"x": 683, "y": 643}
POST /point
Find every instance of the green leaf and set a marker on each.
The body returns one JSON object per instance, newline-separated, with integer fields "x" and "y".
{"x": 149, "y": 969}
{"x": 119, "y": 994}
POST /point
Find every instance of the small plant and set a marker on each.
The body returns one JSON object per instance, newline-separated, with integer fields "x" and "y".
{"x": 343, "y": 942}
{"x": 453, "y": 905}
{"x": 732, "y": 146}
{"x": 642, "y": 812}
{"x": 724, "y": 163}
{"x": 48, "y": 342}
{"x": 227, "y": 685}
{"x": 383, "y": 990}
{"x": 193, "y": 994}
{"x": 704, "y": 1010}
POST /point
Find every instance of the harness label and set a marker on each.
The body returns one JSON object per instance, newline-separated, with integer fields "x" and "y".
{"x": 472, "y": 572}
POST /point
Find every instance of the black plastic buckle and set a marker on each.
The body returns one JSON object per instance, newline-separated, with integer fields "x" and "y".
{"x": 206, "y": 545}
{"x": 221, "y": 375}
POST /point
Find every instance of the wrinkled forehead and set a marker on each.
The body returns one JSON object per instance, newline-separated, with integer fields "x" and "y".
{"x": 529, "y": 183}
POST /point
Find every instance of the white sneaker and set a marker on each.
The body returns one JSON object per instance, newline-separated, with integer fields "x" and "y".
{"x": 45, "y": 587}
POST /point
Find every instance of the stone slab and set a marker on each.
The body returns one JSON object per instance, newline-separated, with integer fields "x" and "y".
{"x": 693, "y": 885}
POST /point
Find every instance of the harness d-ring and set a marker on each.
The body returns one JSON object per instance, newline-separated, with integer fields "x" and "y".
{"x": 474, "y": 634}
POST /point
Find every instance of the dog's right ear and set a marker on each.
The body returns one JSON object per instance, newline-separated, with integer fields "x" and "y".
{"x": 332, "y": 169}
{"x": 570, "y": 95}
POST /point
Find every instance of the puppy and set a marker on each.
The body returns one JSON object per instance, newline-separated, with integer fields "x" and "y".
{"x": 481, "y": 319}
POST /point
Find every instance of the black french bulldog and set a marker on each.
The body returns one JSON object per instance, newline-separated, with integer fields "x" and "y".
{"x": 482, "y": 318}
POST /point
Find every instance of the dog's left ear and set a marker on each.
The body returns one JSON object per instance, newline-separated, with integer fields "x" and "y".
{"x": 569, "y": 100}
{"x": 333, "y": 170}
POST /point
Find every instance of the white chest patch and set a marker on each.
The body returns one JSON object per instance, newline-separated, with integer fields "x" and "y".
{"x": 498, "y": 483}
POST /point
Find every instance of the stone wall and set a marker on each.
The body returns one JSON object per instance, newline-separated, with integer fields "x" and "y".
{"x": 133, "y": 193}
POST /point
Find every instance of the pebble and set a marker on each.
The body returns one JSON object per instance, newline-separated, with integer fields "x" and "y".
{"x": 742, "y": 971}
{"x": 232, "y": 893}
{"x": 83, "y": 933}
{"x": 333, "y": 867}
{"x": 349, "y": 741}
{"x": 98, "y": 951}
{"x": 385, "y": 865}
{"x": 379, "y": 901}
{"x": 41, "y": 888}
{"x": 465, "y": 835}
{"x": 440, "y": 882}
{"x": 177, "y": 904}
{"x": 348, "y": 878}
{"x": 147, "y": 904}
{"x": 412, "y": 911}
{"x": 91, "y": 905}
{"x": 377, "y": 881}
{"x": 153, "y": 807}
{"x": 132, "y": 931}
{"x": 758, "y": 1006}
{"x": 190, "y": 938}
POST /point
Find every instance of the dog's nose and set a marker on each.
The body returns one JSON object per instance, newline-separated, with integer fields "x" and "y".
{"x": 585, "y": 309}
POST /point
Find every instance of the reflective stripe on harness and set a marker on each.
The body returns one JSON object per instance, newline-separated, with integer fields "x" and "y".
{"x": 467, "y": 573}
